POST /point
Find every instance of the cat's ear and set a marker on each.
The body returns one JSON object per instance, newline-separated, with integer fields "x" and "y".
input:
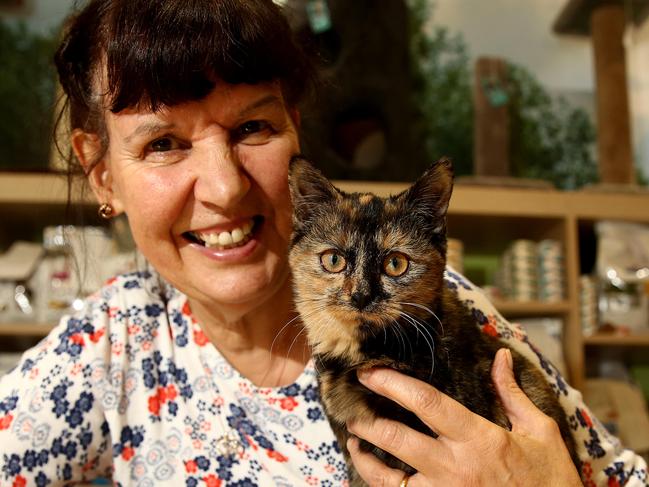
{"x": 429, "y": 196}
{"x": 309, "y": 188}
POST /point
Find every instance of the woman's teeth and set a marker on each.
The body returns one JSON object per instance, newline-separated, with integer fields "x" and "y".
{"x": 234, "y": 238}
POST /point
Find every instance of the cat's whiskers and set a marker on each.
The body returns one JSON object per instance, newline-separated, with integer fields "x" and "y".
{"x": 395, "y": 331}
{"x": 422, "y": 326}
{"x": 425, "y": 308}
{"x": 422, "y": 329}
{"x": 281, "y": 330}
{"x": 322, "y": 308}
{"x": 407, "y": 339}
{"x": 316, "y": 363}
{"x": 271, "y": 357}
{"x": 400, "y": 333}
{"x": 288, "y": 352}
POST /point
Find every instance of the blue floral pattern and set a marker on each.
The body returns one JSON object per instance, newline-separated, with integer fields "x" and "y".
{"x": 130, "y": 389}
{"x": 604, "y": 461}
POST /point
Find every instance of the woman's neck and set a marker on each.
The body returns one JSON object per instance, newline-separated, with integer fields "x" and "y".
{"x": 265, "y": 343}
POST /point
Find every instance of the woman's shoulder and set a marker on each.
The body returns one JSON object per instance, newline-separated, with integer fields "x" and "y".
{"x": 124, "y": 309}
{"x": 122, "y": 323}
{"x": 83, "y": 376}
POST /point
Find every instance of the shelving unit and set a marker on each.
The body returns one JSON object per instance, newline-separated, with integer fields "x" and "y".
{"x": 484, "y": 218}
{"x": 25, "y": 329}
{"x": 515, "y": 309}
{"x": 33, "y": 189}
{"x": 602, "y": 340}
{"x": 28, "y": 203}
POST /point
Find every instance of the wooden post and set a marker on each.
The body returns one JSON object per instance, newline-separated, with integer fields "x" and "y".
{"x": 491, "y": 118}
{"x": 615, "y": 154}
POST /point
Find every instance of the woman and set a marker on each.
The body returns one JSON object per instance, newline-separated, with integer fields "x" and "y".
{"x": 183, "y": 116}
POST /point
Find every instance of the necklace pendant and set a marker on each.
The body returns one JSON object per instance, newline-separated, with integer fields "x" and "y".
{"x": 229, "y": 444}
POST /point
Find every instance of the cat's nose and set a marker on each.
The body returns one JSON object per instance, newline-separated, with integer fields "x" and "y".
{"x": 360, "y": 299}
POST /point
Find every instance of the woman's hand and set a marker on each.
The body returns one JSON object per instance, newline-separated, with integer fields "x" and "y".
{"x": 469, "y": 450}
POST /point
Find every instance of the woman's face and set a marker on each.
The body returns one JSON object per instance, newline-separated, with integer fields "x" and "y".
{"x": 204, "y": 186}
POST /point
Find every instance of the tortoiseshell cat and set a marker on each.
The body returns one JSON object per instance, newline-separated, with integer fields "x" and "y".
{"x": 368, "y": 279}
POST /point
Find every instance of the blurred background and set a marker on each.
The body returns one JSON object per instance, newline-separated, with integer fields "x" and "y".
{"x": 404, "y": 84}
{"x": 543, "y": 106}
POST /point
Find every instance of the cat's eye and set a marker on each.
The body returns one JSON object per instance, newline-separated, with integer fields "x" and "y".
{"x": 333, "y": 261}
{"x": 395, "y": 264}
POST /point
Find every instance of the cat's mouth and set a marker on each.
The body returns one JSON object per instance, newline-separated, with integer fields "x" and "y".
{"x": 227, "y": 239}
{"x": 369, "y": 320}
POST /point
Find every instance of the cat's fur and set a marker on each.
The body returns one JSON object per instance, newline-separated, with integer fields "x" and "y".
{"x": 361, "y": 317}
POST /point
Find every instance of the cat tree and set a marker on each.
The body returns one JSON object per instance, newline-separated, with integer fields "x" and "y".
{"x": 605, "y": 22}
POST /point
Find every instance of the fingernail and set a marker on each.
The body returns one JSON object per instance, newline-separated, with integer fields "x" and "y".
{"x": 364, "y": 375}
{"x": 509, "y": 359}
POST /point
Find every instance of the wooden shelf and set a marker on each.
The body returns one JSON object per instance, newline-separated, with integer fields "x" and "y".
{"x": 611, "y": 340}
{"x": 481, "y": 200}
{"x": 51, "y": 188}
{"x": 39, "y": 188}
{"x": 518, "y": 202}
{"x": 25, "y": 329}
{"x": 531, "y": 308}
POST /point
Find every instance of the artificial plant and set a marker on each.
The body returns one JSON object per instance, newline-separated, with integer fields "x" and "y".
{"x": 550, "y": 139}
{"x": 27, "y": 87}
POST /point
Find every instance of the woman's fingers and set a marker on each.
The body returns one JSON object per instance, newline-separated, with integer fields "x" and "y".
{"x": 470, "y": 450}
{"x": 416, "y": 449}
{"x": 374, "y": 472}
{"x": 514, "y": 400}
{"x": 521, "y": 411}
{"x": 442, "y": 414}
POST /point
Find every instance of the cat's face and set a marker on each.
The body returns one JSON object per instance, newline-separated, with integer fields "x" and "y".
{"x": 361, "y": 262}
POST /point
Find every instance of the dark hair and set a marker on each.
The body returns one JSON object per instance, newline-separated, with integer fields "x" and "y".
{"x": 157, "y": 53}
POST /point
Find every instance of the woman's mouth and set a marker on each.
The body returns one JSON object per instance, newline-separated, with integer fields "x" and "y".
{"x": 235, "y": 237}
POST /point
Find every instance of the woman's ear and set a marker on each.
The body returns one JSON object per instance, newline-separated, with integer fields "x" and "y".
{"x": 87, "y": 149}
{"x": 296, "y": 117}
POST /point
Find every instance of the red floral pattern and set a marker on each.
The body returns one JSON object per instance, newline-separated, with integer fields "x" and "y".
{"x": 131, "y": 389}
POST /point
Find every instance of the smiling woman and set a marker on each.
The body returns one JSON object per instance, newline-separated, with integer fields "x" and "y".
{"x": 205, "y": 171}
{"x": 183, "y": 117}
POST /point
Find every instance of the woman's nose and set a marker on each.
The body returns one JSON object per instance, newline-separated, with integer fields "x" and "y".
{"x": 221, "y": 180}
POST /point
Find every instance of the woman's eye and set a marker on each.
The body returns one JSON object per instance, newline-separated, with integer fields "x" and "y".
{"x": 333, "y": 261}
{"x": 253, "y": 132}
{"x": 163, "y": 144}
{"x": 396, "y": 264}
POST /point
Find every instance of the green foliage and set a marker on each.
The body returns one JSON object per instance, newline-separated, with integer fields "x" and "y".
{"x": 27, "y": 87}
{"x": 550, "y": 139}
{"x": 442, "y": 89}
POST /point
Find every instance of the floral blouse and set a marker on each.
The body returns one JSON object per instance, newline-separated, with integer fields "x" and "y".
{"x": 130, "y": 389}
